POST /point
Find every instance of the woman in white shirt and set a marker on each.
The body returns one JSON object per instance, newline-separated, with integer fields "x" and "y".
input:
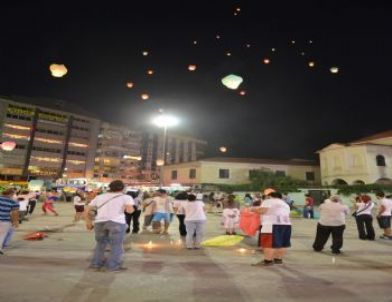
{"x": 364, "y": 218}
{"x": 178, "y": 205}
{"x": 195, "y": 219}
{"x": 79, "y": 202}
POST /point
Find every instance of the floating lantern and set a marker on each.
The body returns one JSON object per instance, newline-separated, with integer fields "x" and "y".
{"x": 266, "y": 61}
{"x": 145, "y": 53}
{"x": 145, "y": 96}
{"x": 195, "y": 42}
{"x": 247, "y": 45}
{"x": 223, "y": 149}
{"x": 192, "y": 67}
{"x": 334, "y": 69}
{"x": 228, "y": 54}
{"x": 242, "y": 92}
{"x": 160, "y": 162}
{"x": 273, "y": 49}
{"x": 232, "y": 81}
{"x": 8, "y": 146}
{"x": 238, "y": 9}
{"x": 150, "y": 72}
{"x": 130, "y": 85}
{"x": 310, "y": 42}
{"x": 302, "y": 53}
{"x": 58, "y": 70}
{"x": 217, "y": 37}
{"x": 311, "y": 64}
{"x": 292, "y": 41}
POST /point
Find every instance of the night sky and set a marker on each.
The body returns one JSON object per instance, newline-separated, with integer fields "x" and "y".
{"x": 289, "y": 111}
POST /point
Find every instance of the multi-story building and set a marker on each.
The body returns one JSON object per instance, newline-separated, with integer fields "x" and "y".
{"x": 54, "y": 139}
{"x": 178, "y": 149}
{"x": 236, "y": 171}
{"x": 365, "y": 161}
{"x": 118, "y": 154}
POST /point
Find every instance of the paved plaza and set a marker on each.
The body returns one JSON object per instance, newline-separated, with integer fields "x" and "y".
{"x": 55, "y": 269}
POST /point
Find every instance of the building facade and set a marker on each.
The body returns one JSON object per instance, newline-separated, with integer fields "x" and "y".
{"x": 365, "y": 161}
{"x": 178, "y": 149}
{"x": 235, "y": 171}
{"x": 118, "y": 154}
{"x": 53, "y": 139}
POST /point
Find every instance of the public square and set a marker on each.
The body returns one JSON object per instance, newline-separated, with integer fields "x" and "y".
{"x": 56, "y": 269}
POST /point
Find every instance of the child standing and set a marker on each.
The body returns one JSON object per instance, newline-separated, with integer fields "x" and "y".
{"x": 48, "y": 203}
{"x": 231, "y": 217}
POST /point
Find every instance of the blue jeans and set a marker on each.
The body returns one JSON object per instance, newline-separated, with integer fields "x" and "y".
{"x": 5, "y": 227}
{"x": 194, "y": 230}
{"x": 308, "y": 212}
{"x": 111, "y": 233}
{"x": 8, "y": 237}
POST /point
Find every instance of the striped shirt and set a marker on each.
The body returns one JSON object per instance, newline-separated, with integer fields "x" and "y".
{"x": 7, "y": 205}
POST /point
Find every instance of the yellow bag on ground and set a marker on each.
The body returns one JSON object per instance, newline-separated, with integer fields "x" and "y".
{"x": 224, "y": 240}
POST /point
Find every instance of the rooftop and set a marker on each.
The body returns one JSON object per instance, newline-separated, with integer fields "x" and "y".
{"x": 377, "y": 136}
{"x": 51, "y": 103}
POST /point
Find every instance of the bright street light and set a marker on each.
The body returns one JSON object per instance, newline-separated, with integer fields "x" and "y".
{"x": 165, "y": 121}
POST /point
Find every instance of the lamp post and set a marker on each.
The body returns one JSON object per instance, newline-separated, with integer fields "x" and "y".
{"x": 164, "y": 121}
{"x": 6, "y": 147}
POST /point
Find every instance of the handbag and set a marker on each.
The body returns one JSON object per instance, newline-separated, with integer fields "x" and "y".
{"x": 94, "y": 210}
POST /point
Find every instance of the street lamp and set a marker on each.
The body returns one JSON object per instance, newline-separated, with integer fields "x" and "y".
{"x": 164, "y": 121}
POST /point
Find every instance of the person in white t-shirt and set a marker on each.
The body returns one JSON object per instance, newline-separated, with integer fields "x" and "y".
{"x": 384, "y": 215}
{"x": 332, "y": 221}
{"x": 276, "y": 230}
{"x": 363, "y": 217}
{"x": 109, "y": 226}
{"x": 23, "y": 200}
{"x": 79, "y": 202}
{"x": 178, "y": 205}
{"x": 162, "y": 208}
{"x": 195, "y": 219}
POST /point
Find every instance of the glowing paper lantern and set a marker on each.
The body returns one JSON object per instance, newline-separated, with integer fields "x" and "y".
{"x": 192, "y": 67}
{"x": 145, "y": 96}
{"x": 302, "y": 53}
{"x": 160, "y": 162}
{"x": 8, "y": 146}
{"x": 58, "y": 70}
{"x": 195, "y": 42}
{"x": 273, "y": 49}
{"x": 217, "y": 37}
{"x": 130, "y": 85}
{"x": 150, "y": 72}
{"x": 311, "y": 64}
{"x": 247, "y": 45}
{"x": 266, "y": 61}
{"x": 242, "y": 92}
{"x": 238, "y": 9}
{"x": 232, "y": 81}
{"x": 223, "y": 149}
{"x": 292, "y": 41}
{"x": 334, "y": 69}
{"x": 310, "y": 42}
{"x": 228, "y": 54}
{"x": 145, "y": 53}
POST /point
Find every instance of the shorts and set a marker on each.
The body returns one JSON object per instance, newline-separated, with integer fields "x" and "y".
{"x": 384, "y": 222}
{"x": 279, "y": 238}
{"x": 79, "y": 209}
{"x": 160, "y": 216}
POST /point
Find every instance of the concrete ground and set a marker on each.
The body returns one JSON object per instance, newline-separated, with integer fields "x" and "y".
{"x": 55, "y": 269}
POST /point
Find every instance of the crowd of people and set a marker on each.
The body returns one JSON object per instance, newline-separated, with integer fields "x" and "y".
{"x": 117, "y": 212}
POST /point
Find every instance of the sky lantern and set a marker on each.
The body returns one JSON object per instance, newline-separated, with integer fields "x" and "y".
{"x": 247, "y": 45}
{"x": 145, "y": 53}
{"x": 266, "y": 61}
{"x": 145, "y": 96}
{"x": 160, "y": 162}
{"x": 242, "y": 92}
{"x": 238, "y": 9}
{"x": 232, "y": 81}
{"x": 310, "y": 42}
{"x": 334, "y": 69}
{"x": 292, "y": 41}
{"x": 217, "y": 37}
{"x": 311, "y": 64}
{"x": 228, "y": 54}
{"x": 223, "y": 149}
{"x": 273, "y": 49}
{"x": 150, "y": 72}
{"x": 302, "y": 53}
{"x": 58, "y": 70}
{"x": 195, "y": 42}
{"x": 130, "y": 85}
{"x": 192, "y": 67}
{"x": 8, "y": 146}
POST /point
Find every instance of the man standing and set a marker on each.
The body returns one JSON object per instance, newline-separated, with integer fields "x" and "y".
{"x": 332, "y": 221}
{"x": 384, "y": 215}
{"x": 276, "y": 229}
{"x": 109, "y": 226}
{"x": 309, "y": 207}
{"x": 9, "y": 216}
{"x": 162, "y": 207}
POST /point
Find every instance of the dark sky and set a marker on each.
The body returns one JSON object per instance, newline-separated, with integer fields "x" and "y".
{"x": 289, "y": 111}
